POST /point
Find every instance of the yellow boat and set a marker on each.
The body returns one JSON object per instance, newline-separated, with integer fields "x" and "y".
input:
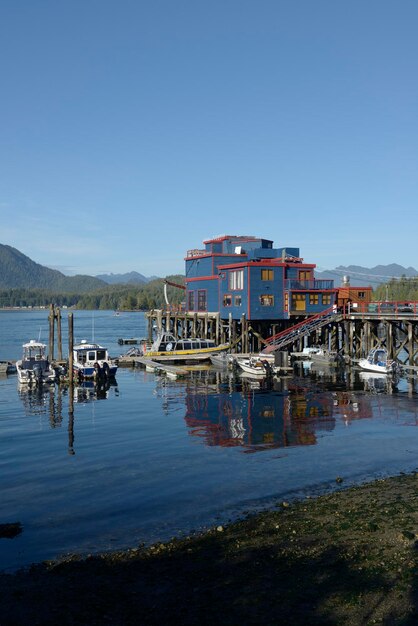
{"x": 168, "y": 347}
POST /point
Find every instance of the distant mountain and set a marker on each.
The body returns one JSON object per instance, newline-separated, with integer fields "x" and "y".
{"x": 130, "y": 278}
{"x": 19, "y": 271}
{"x": 366, "y": 276}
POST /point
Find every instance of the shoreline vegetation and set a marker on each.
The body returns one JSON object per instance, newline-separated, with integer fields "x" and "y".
{"x": 349, "y": 557}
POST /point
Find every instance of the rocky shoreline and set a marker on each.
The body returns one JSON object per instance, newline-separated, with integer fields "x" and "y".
{"x": 348, "y": 557}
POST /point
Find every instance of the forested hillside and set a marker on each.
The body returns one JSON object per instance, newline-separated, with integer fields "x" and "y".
{"x": 19, "y": 271}
{"x": 24, "y": 283}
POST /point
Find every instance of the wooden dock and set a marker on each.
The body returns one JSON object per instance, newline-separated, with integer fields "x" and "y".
{"x": 171, "y": 370}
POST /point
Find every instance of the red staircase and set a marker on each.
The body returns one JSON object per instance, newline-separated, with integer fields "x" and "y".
{"x": 302, "y": 329}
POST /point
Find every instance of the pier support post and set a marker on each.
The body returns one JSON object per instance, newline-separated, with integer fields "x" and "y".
{"x": 411, "y": 344}
{"x": 389, "y": 339}
{"x": 70, "y": 351}
{"x": 51, "y": 319}
{"x": 159, "y": 321}
{"x": 244, "y": 334}
{"x": 150, "y": 317}
{"x": 59, "y": 334}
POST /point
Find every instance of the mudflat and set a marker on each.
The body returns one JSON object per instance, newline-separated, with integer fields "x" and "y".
{"x": 349, "y": 558}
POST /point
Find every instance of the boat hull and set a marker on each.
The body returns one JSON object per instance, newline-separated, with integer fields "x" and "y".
{"x": 257, "y": 368}
{"x": 374, "y": 367}
{"x": 377, "y": 361}
{"x": 27, "y": 376}
{"x": 91, "y": 372}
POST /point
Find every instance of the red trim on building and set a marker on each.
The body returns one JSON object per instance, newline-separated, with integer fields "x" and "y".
{"x": 267, "y": 263}
{"x": 248, "y": 295}
{"x": 193, "y": 280}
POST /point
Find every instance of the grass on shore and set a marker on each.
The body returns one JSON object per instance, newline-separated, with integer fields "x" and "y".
{"x": 345, "y": 558}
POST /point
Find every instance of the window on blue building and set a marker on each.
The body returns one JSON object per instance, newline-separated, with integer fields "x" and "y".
{"x": 305, "y": 275}
{"x": 191, "y": 301}
{"x": 227, "y": 301}
{"x": 267, "y": 300}
{"x": 236, "y": 279}
{"x": 326, "y": 298}
{"x": 201, "y": 300}
{"x": 313, "y": 298}
{"x": 267, "y": 274}
{"x": 237, "y": 300}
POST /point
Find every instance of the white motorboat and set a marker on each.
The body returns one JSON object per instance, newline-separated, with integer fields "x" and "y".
{"x": 90, "y": 360}
{"x": 257, "y": 366}
{"x": 34, "y": 366}
{"x": 377, "y": 361}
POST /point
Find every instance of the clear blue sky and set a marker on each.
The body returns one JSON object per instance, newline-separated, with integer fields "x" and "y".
{"x": 133, "y": 130}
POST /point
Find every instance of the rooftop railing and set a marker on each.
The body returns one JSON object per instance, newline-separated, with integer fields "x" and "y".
{"x": 308, "y": 285}
{"x": 193, "y": 253}
{"x": 380, "y": 309}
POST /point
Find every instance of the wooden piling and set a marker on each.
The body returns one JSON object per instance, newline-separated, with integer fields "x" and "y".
{"x": 70, "y": 351}
{"x": 51, "y": 319}
{"x": 59, "y": 334}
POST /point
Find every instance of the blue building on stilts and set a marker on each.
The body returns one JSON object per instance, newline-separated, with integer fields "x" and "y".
{"x": 245, "y": 275}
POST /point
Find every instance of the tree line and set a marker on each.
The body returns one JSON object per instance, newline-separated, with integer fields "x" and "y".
{"x": 398, "y": 290}
{"x": 116, "y": 297}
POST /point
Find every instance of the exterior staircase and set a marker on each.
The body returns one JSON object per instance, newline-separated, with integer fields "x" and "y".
{"x": 302, "y": 329}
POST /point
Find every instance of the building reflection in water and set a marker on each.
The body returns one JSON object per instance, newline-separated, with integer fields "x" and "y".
{"x": 256, "y": 415}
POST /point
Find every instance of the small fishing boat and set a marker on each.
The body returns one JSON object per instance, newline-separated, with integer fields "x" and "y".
{"x": 326, "y": 357}
{"x": 167, "y": 346}
{"x": 377, "y": 361}
{"x": 90, "y": 360}
{"x": 34, "y": 366}
{"x": 307, "y": 352}
{"x": 130, "y": 341}
{"x": 6, "y": 367}
{"x": 222, "y": 359}
{"x": 257, "y": 366}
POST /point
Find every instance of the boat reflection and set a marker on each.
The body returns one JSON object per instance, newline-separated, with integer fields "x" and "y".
{"x": 293, "y": 412}
{"x": 41, "y": 400}
{"x": 89, "y": 390}
{"x": 375, "y": 382}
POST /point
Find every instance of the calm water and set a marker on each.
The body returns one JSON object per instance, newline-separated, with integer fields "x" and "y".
{"x": 149, "y": 458}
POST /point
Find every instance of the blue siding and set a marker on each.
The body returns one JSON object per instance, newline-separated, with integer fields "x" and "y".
{"x": 235, "y": 309}
{"x": 211, "y": 287}
{"x": 225, "y": 260}
{"x": 259, "y": 288}
{"x": 200, "y": 266}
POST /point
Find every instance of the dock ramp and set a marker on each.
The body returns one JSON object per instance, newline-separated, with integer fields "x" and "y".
{"x": 302, "y": 329}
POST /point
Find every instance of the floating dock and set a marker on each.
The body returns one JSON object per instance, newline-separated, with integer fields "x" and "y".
{"x": 171, "y": 370}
